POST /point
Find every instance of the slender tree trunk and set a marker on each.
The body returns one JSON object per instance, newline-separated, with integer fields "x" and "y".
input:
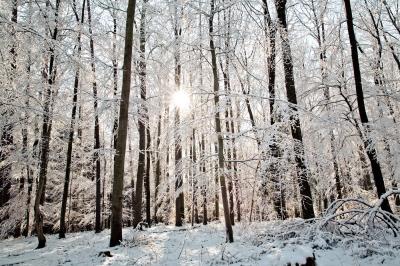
{"x": 193, "y": 157}
{"x": 236, "y": 179}
{"x": 228, "y": 148}
{"x": 132, "y": 179}
{"x": 167, "y": 203}
{"x": 158, "y": 170}
{"x": 216, "y": 181}
{"x": 371, "y": 152}
{"x": 179, "y": 197}
{"x": 62, "y": 230}
{"x": 226, "y": 76}
{"x": 302, "y": 170}
{"x": 29, "y": 172}
{"x": 379, "y": 81}
{"x": 320, "y": 27}
{"x": 147, "y": 125}
{"x": 96, "y": 157}
{"x": 119, "y": 161}
{"x": 204, "y": 183}
{"x": 147, "y": 176}
{"x": 116, "y": 105}
{"x": 142, "y": 122}
{"x": 115, "y": 77}
{"x": 228, "y": 225}
{"x": 45, "y": 137}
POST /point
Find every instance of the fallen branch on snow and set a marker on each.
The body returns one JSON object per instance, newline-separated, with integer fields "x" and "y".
{"x": 355, "y": 216}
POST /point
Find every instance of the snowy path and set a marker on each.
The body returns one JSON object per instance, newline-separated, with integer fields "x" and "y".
{"x": 202, "y": 245}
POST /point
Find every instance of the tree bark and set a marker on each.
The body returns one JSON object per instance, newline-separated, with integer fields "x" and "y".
{"x": 228, "y": 225}
{"x": 45, "y": 137}
{"x": 115, "y": 77}
{"x": 157, "y": 171}
{"x": 96, "y": 157}
{"x": 204, "y": 185}
{"x": 193, "y": 157}
{"x": 371, "y": 152}
{"x": 142, "y": 122}
{"x": 119, "y": 161}
{"x": 179, "y": 197}
{"x": 278, "y": 195}
{"x": 147, "y": 176}
{"x": 62, "y": 230}
{"x": 302, "y": 170}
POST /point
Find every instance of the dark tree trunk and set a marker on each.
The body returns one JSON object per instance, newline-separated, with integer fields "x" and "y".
{"x": 157, "y": 171}
{"x": 278, "y": 191}
{"x": 119, "y": 161}
{"x": 132, "y": 182}
{"x": 228, "y": 149}
{"x": 228, "y": 225}
{"x": 216, "y": 181}
{"x": 228, "y": 106}
{"x": 234, "y": 164}
{"x": 45, "y": 137}
{"x": 179, "y": 198}
{"x": 26, "y": 159}
{"x": 193, "y": 156}
{"x": 142, "y": 122}
{"x": 116, "y": 108}
{"x": 204, "y": 186}
{"x": 115, "y": 77}
{"x": 167, "y": 204}
{"x": 302, "y": 170}
{"x": 147, "y": 176}
{"x": 62, "y": 230}
{"x": 96, "y": 157}
{"x": 371, "y": 152}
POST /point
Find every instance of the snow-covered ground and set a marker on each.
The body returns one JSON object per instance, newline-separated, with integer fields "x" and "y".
{"x": 256, "y": 244}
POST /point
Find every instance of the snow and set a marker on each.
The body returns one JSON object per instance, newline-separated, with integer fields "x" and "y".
{"x": 267, "y": 243}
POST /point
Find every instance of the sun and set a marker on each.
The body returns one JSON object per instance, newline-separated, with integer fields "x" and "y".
{"x": 181, "y": 100}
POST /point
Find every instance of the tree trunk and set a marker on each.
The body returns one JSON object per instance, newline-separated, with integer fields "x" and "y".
{"x": 228, "y": 225}
{"x": 167, "y": 203}
{"x": 96, "y": 157}
{"x": 371, "y": 152}
{"x": 29, "y": 172}
{"x": 179, "y": 200}
{"x": 193, "y": 157}
{"x": 45, "y": 137}
{"x": 62, "y": 230}
{"x": 302, "y": 170}
{"x": 179, "y": 197}
{"x": 142, "y": 122}
{"x": 204, "y": 185}
{"x": 158, "y": 170}
{"x": 147, "y": 176}
{"x": 115, "y": 77}
{"x": 119, "y": 161}
{"x": 216, "y": 181}
{"x": 278, "y": 197}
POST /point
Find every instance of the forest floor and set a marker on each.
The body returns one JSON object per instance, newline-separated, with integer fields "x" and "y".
{"x": 269, "y": 243}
